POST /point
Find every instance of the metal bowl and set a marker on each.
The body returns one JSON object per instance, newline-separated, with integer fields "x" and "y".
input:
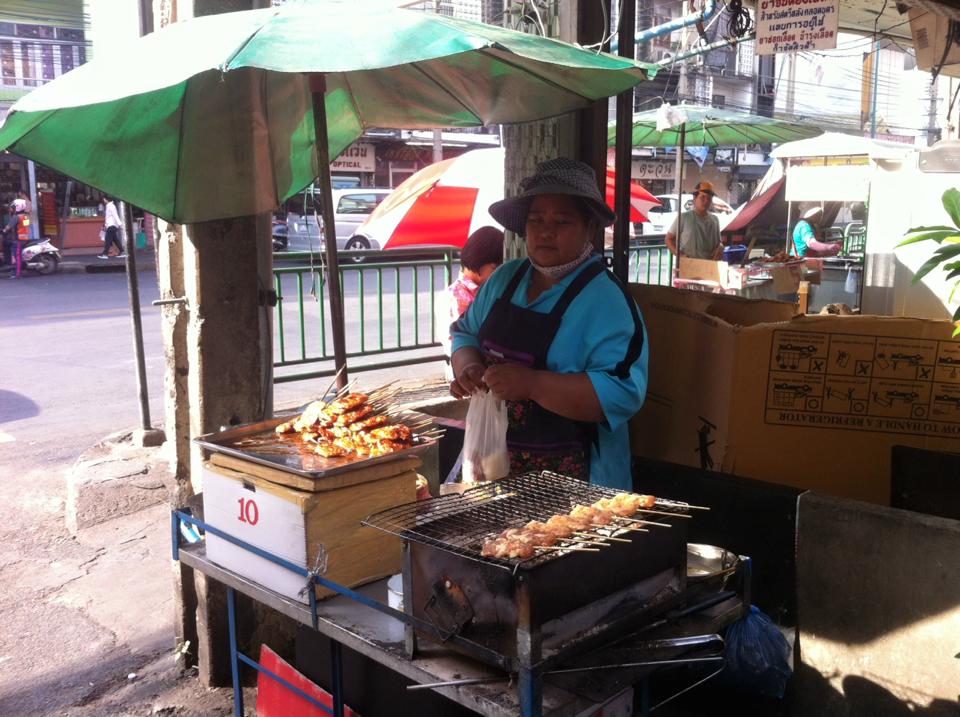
{"x": 708, "y": 562}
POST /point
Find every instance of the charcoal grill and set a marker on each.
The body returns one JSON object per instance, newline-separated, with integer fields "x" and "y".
{"x": 519, "y": 614}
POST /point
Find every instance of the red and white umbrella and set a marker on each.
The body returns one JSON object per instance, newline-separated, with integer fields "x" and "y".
{"x": 640, "y": 199}
{"x": 444, "y": 203}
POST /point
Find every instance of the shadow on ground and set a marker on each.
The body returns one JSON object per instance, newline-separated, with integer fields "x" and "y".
{"x": 14, "y": 406}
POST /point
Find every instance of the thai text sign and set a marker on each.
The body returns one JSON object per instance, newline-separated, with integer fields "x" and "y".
{"x": 358, "y": 157}
{"x": 790, "y": 25}
{"x": 654, "y": 170}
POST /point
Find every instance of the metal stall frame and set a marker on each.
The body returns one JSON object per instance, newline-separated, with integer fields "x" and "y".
{"x": 529, "y": 680}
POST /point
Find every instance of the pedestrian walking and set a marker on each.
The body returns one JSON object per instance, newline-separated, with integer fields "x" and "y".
{"x": 111, "y": 229}
{"x": 17, "y": 232}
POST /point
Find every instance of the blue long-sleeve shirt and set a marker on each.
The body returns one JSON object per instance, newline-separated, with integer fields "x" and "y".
{"x": 593, "y": 338}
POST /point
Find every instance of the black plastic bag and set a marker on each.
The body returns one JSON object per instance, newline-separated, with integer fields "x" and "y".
{"x": 758, "y": 655}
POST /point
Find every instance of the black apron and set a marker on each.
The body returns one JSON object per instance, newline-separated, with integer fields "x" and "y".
{"x": 537, "y": 439}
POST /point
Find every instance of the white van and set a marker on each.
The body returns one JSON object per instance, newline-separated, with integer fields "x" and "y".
{"x": 350, "y": 208}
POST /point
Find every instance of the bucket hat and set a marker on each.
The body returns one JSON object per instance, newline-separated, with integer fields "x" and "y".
{"x": 555, "y": 176}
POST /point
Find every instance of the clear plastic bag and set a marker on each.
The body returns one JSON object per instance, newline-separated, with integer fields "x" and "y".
{"x": 758, "y": 655}
{"x": 485, "y": 456}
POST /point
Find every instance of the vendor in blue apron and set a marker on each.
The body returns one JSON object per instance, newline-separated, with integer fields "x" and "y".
{"x": 556, "y": 335}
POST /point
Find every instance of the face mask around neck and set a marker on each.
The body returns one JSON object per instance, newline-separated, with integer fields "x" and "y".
{"x": 558, "y": 272}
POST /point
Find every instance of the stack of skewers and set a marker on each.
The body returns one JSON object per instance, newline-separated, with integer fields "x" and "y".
{"x": 355, "y": 424}
{"x": 580, "y": 529}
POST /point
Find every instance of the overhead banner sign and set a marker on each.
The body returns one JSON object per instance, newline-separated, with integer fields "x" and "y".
{"x": 828, "y": 184}
{"x": 358, "y": 157}
{"x": 791, "y": 25}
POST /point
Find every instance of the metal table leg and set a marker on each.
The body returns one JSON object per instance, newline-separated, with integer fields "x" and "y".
{"x": 530, "y": 686}
{"x": 336, "y": 677}
{"x": 234, "y": 662}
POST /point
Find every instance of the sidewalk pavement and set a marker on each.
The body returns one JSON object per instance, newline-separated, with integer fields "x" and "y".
{"x": 79, "y": 261}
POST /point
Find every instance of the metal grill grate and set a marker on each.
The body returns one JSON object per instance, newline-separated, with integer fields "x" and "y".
{"x": 461, "y": 523}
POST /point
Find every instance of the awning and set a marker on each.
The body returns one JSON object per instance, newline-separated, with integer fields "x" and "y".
{"x": 750, "y": 210}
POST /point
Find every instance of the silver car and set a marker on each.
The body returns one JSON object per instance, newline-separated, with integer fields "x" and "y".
{"x": 350, "y": 206}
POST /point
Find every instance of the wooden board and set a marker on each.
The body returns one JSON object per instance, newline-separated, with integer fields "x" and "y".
{"x": 318, "y": 485}
{"x": 294, "y": 523}
{"x": 357, "y": 554}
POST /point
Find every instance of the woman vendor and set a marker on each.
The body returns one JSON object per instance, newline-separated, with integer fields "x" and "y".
{"x": 556, "y": 335}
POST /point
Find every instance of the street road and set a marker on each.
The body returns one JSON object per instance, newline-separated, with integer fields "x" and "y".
{"x": 68, "y": 381}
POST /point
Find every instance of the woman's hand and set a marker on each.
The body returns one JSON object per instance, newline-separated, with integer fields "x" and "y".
{"x": 510, "y": 381}
{"x": 469, "y": 380}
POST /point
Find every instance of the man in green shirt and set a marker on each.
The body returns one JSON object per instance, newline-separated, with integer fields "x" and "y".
{"x": 699, "y": 229}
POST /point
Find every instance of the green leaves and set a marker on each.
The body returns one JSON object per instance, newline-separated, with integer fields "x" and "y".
{"x": 951, "y": 202}
{"x": 946, "y": 255}
{"x": 932, "y": 233}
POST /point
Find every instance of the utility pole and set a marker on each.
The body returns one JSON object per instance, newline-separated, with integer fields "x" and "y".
{"x": 932, "y": 113}
{"x": 791, "y": 85}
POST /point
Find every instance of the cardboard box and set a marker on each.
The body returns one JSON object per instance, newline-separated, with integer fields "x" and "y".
{"x": 929, "y": 33}
{"x": 786, "y": 276}
{"x": 294, "y": 524}
{"x": 718, "y": 272}
{"x": 812, "y": 402}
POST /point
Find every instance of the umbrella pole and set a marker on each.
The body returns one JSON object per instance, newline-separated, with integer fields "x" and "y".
{"x": 318, "y": 92}
{"x": 133, "y": 291}
{"x": 683, "y": 138}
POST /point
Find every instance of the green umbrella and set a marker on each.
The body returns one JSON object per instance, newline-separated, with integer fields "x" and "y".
{"x": 211, "y": 117}
{"x": 229, "y": 115}
{"x": 711, "y": 127}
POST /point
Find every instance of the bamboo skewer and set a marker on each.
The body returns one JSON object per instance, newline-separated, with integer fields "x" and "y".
{"x": 647, "y": 522}
{"x": 333, "y": 382}
{"x": 681, "y": 505}
{"x": 346, "y": 389}
{"x": 584, "y": 540}
{"x": 597, "y": 536}
{"x": 616, "y": 540}
{"x": 635, "y": 528}
{"x": 563, "y": 547}
{"x": 664, "y": 512}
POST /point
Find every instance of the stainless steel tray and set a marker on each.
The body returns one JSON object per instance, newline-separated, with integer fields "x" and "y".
{"x": 259, "y": 443}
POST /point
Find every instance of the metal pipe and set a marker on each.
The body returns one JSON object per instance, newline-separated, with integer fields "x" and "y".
{"x": 234, "y": 662}
{"x": 705, "y": 48}
{"x": 873, "y": 91}
{"x": 710, "y": 8}
{"x": 64, "y": 214}
{"x": 623, "y": 161}
{"x": 133, "y": 289}
{"x": 32, "y": 178}
{"x": 318, "y": 95}
{"x": 336, "y": 677}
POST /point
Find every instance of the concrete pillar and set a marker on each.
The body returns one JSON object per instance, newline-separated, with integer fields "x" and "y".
{"x": 218, "y": 368}
{"x": 581, "y": 135}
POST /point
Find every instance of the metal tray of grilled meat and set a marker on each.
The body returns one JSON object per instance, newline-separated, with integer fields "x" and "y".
{"x": 260, "y": 443}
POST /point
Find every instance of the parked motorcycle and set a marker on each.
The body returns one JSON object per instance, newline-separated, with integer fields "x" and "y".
{"x": 41, "y": 256}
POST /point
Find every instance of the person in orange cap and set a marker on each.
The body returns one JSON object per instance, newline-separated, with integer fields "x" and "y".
{"x": 699, "y": 229}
